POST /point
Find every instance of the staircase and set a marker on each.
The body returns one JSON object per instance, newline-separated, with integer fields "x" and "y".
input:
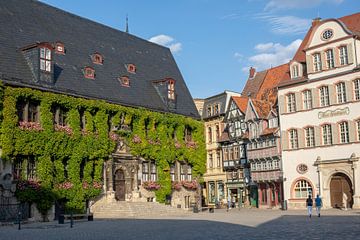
{"x": 136, "y": 210}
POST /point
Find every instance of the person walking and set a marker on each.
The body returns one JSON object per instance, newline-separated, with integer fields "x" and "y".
{"x": 318, "y": 204}
{"x": 309, "y": 204}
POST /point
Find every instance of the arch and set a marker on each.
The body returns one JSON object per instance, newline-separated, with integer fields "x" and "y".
{"x": 341, "y": 191}
{"x": 119, "y": 184}
{"x": 292, "y": 189}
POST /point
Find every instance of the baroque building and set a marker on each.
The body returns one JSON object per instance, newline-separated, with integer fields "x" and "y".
{"x": 319, "y": 116}
{"x": 89, "y": 110}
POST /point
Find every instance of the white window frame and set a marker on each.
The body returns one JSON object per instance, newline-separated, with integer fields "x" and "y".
{"x": 356, "y": 83}
{"x": 304, "y": 188}
{"x": 344, "y": 132}
{"x": 295, "y": 71}
{"x": 317, "y": 62}
{"x": 45, "y": 59}
{"x": 326, "y": 134}
{"x": 343, "y": 54}
{"x": 307, "y": 99}
{"x": 293, "y": 139}
{"x": 358, "y": 129}
{"x": 341, "y": 92}
{"x": 330, "y": 58}
{"x": 309, "y": 137}
{"x": 324, "y": 96}
{"x": 291, "y": 102}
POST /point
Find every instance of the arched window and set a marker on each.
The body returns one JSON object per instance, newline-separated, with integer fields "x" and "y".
{"x": 97, "y": 58}
{"x": 302, "y": 189}
{"x": 209, "y": 135}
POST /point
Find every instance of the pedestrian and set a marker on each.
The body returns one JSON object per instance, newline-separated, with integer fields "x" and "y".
{"x": 345, "y": 198}
{"x": 229, "y": 202}
{"x": 318, "y": 204}
{"x": 309, "y": 204}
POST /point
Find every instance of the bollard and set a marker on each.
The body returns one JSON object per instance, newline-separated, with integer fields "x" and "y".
{"x": 19, "y": 220}
{"x": 71, "y": 220}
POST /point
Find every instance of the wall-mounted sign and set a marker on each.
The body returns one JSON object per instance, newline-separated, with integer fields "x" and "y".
{"x": 334, "y": 113}
{"x": 302, "y": 168}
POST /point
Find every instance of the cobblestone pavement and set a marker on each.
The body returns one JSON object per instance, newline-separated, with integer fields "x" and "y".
{"x": 235, "y": 224}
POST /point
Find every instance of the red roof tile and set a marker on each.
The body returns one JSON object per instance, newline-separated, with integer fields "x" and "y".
{"x": 262, "y": 108}
{"x": 241, "y": 102}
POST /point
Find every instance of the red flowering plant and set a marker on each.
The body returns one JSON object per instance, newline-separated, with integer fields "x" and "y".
{"x": 156, "y": 142}
{"x": 66, "y": 129}
{"x": 33, "y": 126}
{"x": 91, "y": 190}
{"x": 190, "y": 185}
{"x": 113, "y": 136}
{"x": 191, "y": 144}
{"x": 176, "y": 185}
{"x": 151, "y": 185}
{"x": 136, "y": 139}
{"x": 177, "y": 145}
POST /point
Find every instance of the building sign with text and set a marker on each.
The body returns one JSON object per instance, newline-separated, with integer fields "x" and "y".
{"x": 334, "y": 113}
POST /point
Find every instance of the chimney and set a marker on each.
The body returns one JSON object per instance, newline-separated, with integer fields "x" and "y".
{"x": 252, "y": 72}
{"x": 315, "y": 21}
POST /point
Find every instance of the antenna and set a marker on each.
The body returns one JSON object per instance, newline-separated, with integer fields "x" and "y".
{"x": 127, "y": 24}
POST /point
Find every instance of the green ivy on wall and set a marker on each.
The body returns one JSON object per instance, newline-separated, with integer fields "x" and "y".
{"x": 72, "y": 164}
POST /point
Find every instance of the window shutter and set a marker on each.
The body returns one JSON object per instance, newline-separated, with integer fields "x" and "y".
{"x": 317, "y": 135}
{"x": 349, "y": 91}
{"x": 281, "y": 104}
{"x": 298, "y": 100}
{"x": 284, "y": 140}
{"x": 315, "y": 97}
{"x": 323, "y": 61}
{"x": 352, "y": 131}
{"x": 335, "y": 133}
{"x": 309, "y": 64}
{"x": 350, "y": 53}
{"x": 336, "y": 56}
{"x": 301, "y": 137}
{"x": 332, "y": 95}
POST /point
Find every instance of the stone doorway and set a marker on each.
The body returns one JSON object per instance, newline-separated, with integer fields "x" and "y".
{"x": 119, "y": 185}
{"x": 341, "y": 194}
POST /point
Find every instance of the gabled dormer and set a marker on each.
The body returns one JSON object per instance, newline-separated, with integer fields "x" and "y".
{"x": 235, "y": 117}
{"x": 296, "y": 70}
{"x": 166, "y": 90}
{"x": 39, "y": 57}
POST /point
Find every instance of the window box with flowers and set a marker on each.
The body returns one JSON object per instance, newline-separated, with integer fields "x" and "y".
{"x": 190, "y": 185}
{"x": 151, "y": 185}
{"x": 32, "y": 126}
{"x": 66, "y": 129}
{"x": 176, "y": 185}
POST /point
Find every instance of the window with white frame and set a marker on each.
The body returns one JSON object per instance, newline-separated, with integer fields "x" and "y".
{"x": 263, "y": 165}
{"x": 330, "y": 59}
{"x": 182, "y": 172}
{"x": 341, "y": 92}
{"x": 358, "y": 129}
{"x": 253, "y": 166}
{"x": 326, "y": 134}
{"x": 209, "y": 135}
{"x": 270, "y": 165}
{"x": 145, "y": 171}
{"x": 317, "y": 62}
{"x": 216, "y": 109}
{"x": 172, "y": 172}
{"x": 309, "y": 137}
{"x": 295, "y": 71}
{"x": 189, "y": 173}
{"x": 236, "y": 152}
{"x": 226, "y": 156}
{"x": 344, "y": 132}
{"x": 293, "y": 137}
{"x": 307, "y": 99}
{"x": 276, "y": 164}
{"x": 302, "y": 189}
{"x": 343, "y": 55}
{"x": 210, "y": 160}
{"x": 258, "y": 166}
{"x": 357, "y": 89}
{"x": 153, "y": 172}
{"x": 45, "y": 59}
{"x": 291, "y": 104}
{"x": 324, "y": 96}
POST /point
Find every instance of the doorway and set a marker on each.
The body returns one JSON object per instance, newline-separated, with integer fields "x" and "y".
{"x": 119, "y": 185}
{"x": 341, "y": 194}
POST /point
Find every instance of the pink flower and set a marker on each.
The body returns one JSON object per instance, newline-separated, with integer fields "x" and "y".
{"x": 191, "y": 145}
{"x": 85, "y": 185}
{"x": 113, "y": 136}
{"x": 136, "y": 139}
{"x": 176, "y": 185}
{"x": 65, "y": 185}
{"x": 97, "y": 185}
{"x": 65, "y": 129}
{"x": 190, "y": 185}
{"x": 177, "y": 145}
{"x": 34, "y": 126}
{"x": 151, "y": 185}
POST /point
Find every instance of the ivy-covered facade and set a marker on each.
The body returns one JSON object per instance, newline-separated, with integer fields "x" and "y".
{"x": 72, "y": 129}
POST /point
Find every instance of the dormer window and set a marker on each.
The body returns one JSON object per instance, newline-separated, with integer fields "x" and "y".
{"x": 295, "y": 71}
{"x": 45, "y": 59}
{"x": 131, "y": 68}
{"x": 171, "y": 89}
{"x": 59, "y": 48}
{"x": 124, "y": 81}
{"x": 97, "y": 58}
{"x": 89, "y": 73}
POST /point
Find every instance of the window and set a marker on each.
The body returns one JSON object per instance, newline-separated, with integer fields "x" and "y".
{"x": 172, "y": 172}
{"x": 149, "y": 175}
{"x": 226, "y": 156}
{"x": 326, "y": 134}
{"x": 211, "y": 164}
{"x": 293, "y": 137}
{"x": 263, "y": 165}
{"x": 209, "y": 111}
{"x": 60, "y": 115}
{"x": 344, "y": 132}
{"x": 89, "y": 73}
{"x": 188, "y": 134}
{"x": 307, "y": 98}
{"x": 28, "y": 111}
{"x": 302, "y": 189}
{"x": 270, "y": 165}
{"x": 216, "y": 109}
{"x": 131, "y": 68}
{"x": 276, "y": 164}
{"x": 309, "y": 137}
{"x": 97, "y": 58}
{"x": 209, "y": 135}
{"x": 236, "y": 152}
{"x": 59, "y": 48}
{"x": 153, "y": 171}
{"x": 317, "y": 62}
{"x": 324, "y": 96}
{"x": 258, "y": 166}
{"x": 357, "y": 89}
{"x": 185, "y": 172}
{"x": 295, "y": 71}
{"x": 343, "y": 55}
{"x": 145, "y": 171}
{"x": 341, "y": 92}
{"x": 231, "y": 153}
{"x": 189, "y": 173}
{"x": 124, "y": 81}
{"x": 217, "y": 158}
{"x": 253, "y": 166}
{"x": 24, "y": 167}
{"x": 358, "y": 129}
{"x": 45, "y": 59}
{"x": 330, "y": 59}
{"x": 217, "y": 130}
{"x": 171, "y": 89}
{"x": 291, "y": 104}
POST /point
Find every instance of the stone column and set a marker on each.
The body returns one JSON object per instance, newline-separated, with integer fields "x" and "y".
{"x": 356, "y": 185}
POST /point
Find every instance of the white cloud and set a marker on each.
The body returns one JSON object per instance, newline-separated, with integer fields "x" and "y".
{"x": 238, "y": 55}
{"x": 168, "y": 42}
{"x": 274, "y": 5}
{"x": 273, "y": 54}
{"x": 286, "y": 24}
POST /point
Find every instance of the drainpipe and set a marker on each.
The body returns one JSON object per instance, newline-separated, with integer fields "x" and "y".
{"x": 356, "y": 62}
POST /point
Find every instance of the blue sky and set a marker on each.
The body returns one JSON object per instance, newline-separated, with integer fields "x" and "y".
{"x": 215, "y": 42}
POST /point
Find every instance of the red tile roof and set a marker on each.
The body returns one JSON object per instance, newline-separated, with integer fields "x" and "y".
{"x": 241, "y": 102}
{"x": 262, "y": 108}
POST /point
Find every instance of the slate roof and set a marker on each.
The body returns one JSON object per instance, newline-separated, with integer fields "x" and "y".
{"x": 252, "y": 85}
{"x": 25, "y": 22}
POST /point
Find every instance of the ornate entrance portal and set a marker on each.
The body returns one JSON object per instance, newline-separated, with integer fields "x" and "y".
{"x": 119, "y": 185}
{"x": 341, "y": 193}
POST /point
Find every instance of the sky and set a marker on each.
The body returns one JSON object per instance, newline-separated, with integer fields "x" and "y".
{"x": 215, "y": 42}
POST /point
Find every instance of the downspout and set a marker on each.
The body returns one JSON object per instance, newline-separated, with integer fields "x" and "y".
{"x": 356, "y": 62}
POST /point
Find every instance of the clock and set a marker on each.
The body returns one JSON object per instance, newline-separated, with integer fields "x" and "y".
{"x": 327, "y": 34}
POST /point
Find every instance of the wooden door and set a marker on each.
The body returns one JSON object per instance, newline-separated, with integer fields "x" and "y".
{"x": 339, "y": 185}
{"x": 120, "y": 185}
